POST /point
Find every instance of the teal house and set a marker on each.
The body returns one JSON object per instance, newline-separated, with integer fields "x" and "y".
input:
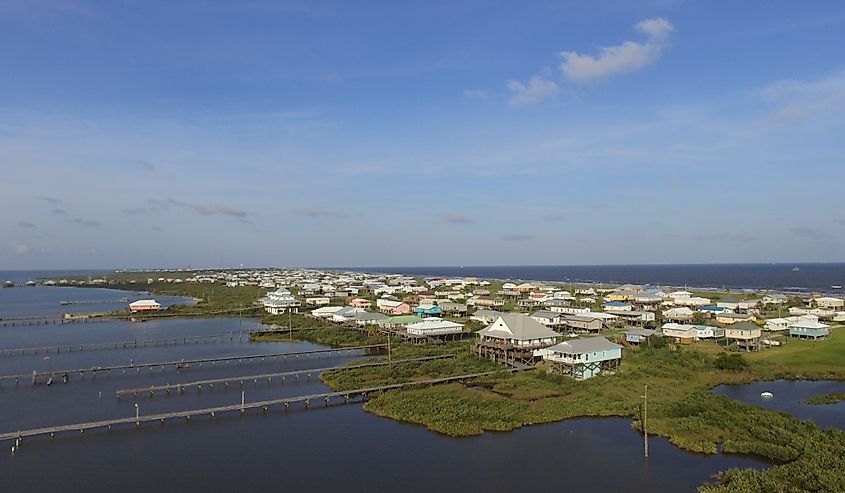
{"x": 809, "y": 329}
{"x": 428, "y": 311}
{"x": 583, "y": 358}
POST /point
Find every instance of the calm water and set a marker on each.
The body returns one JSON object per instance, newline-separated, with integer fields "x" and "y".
{"x": 789, "y": 397}
{"x": 342, "y": 447}
{"x": 809, "y": 277}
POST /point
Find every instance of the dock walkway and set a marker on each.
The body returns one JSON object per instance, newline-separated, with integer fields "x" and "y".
{"x": 266, "y": 406}
{"x": 199, "y": 384}
{"x": 133, "y": 344}
{"x": 181, "y": 364}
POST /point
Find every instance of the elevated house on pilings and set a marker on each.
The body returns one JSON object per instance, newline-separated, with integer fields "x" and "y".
{"x": 745, "y": 335}
{"x": 583, "y": 358}
{"x": 514, "y": 339}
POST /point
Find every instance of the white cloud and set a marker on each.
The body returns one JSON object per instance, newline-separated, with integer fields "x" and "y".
{"x": 817, "y": 101}
{"x": 536, "y": 90}
{"x": 626, "y": 57}
{"x": 475, "y": 93}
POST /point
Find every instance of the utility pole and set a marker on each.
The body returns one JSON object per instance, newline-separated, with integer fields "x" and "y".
{"x": 645, "y": 423}
{"x": 290, "y": 326}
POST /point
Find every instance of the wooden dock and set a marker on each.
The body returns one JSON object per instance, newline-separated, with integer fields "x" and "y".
{"x": 199, "y": 384}
{"x": 265, "y": 406}
{"x": 49, "y": 320}
{"x": 181, "y": 364}
{"x": 133, "y": 344}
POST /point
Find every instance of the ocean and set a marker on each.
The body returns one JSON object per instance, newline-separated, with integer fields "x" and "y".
{"x": 815, "y": 277}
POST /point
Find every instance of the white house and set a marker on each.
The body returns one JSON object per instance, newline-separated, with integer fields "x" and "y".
{"x": 326, "y": 311}
{"x": 829, "y": 302}
{"x": 679, "y": 314}
{"x": 280, "y": 301}
{"x": 144, "y": 305}
{"x": 681, "y": 332}
{"x": 517, "y": 329}
{"x": 435, "y": 326}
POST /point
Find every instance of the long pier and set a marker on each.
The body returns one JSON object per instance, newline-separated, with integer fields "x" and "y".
{"x": 133, "y": 344}
{"x": 180, "y": 364}
{"x": 50, "y": 320}
{"x": 199, "y": 384}
{"x": 265, "y": 406}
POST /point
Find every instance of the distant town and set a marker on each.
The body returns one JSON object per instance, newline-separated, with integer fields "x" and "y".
{"x": 576, "y": 330}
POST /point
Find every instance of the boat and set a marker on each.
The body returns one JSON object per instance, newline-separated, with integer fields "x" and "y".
{"x": 796, "y": 269}
{"x": 836, "y": 286}
{"x": 8, "y": 284}
{"x": 766, "y": 395}
{"x": 30, "y": 283}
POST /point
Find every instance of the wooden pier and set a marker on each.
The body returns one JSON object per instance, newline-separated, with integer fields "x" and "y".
{"x": 49, "y": 320}
{"x": 266, "y": 406}
{"x": 199, "y": 384}
{"x": 181, "y": 364}
{"x": 136, "y": 343}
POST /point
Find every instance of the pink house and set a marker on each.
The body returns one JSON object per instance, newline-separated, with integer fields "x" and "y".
{"x": 392, "y": 307}
{"x": 360, "y": 303}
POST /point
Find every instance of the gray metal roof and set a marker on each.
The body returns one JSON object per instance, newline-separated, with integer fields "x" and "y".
{"x": 585, "y": 345}
{"x": 521, "y": 327}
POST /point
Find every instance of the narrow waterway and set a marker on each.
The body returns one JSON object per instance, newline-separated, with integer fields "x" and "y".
{"x": 790, "y": 396}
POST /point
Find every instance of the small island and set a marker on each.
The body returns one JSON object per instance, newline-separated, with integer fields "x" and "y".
{"x": 832, "y": 398}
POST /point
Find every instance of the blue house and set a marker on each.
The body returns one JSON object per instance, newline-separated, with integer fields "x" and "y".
{"x": 712, "y": 309}
{"x": 808, "y": 329}
{"x": 428, "y": 311}
{"x": 583, "y": 358}
{"x": 637, "y": 336}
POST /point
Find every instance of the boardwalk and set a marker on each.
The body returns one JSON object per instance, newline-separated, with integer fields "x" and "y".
{"x": 181, "y": 364}
{"x": 199, "y": 384}
{"x": 133, "y": 344}
{"x": 265, "y": 406}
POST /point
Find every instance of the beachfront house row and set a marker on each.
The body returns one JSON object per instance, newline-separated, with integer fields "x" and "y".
{"x": 745, "y": 335}
{"x": 513, "y": 339}
{"x": 583, "y": 358}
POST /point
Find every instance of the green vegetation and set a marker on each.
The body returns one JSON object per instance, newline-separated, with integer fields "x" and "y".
{"x": 832, "y": 398}
{"x": 213, "y": 299}
{"x": 681, "y": 405}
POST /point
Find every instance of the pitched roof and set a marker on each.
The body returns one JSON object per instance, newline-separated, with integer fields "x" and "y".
{"x": 517, "y": 326}
{"x": 585, "y": 345}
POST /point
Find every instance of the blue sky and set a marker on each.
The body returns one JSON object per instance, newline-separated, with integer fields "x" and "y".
{"x": 142, "y": 134}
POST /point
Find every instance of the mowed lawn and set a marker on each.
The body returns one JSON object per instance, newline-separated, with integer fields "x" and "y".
{"x": 822, "y": 356}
